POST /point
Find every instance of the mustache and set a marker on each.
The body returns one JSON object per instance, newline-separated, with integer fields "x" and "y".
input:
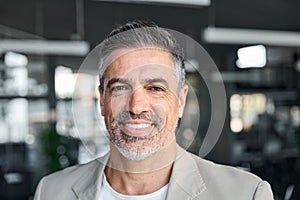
{"x": 148, "y": 116}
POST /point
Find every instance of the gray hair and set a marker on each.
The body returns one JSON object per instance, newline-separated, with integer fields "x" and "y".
{"x": 139, "y": 34}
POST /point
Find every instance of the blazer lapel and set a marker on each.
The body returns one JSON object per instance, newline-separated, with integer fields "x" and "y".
{"x": 186, "y": 181}
{"x": 88, "y": 186}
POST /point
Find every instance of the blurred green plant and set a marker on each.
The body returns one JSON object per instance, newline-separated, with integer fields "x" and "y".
{"x": 297, "y": 133}
{"x": 56, "y": 149}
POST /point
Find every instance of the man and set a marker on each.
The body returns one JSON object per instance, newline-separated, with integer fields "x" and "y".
{"x": 142, "y": 96}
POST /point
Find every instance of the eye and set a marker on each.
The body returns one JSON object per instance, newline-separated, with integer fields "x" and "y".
{"x": 118, "y": 88}
{"x": 156, "y": 88}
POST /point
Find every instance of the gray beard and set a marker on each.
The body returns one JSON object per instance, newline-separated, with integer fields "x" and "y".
{"x": 134, "y": 148}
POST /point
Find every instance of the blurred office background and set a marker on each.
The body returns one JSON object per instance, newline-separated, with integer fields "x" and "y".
{"x": 255, "y": 45}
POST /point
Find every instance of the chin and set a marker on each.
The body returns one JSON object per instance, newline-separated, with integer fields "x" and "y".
{"x": 137, "y": 153}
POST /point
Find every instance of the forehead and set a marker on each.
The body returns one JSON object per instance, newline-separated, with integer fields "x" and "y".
{"x": 140, "y": 62}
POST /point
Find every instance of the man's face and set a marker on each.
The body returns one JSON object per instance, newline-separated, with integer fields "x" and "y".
{"x": 141, "y": 102}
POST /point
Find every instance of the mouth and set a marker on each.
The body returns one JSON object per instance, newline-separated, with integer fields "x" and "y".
{"x": 137, "y": 128}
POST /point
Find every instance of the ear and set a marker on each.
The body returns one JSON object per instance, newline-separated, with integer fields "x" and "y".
{"x": 182, "y": 99}
{"x": 101, "y": 101}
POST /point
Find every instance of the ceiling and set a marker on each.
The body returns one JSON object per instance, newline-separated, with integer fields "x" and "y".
{"x": 92, "y": 20}
{"x": 56, "y": 19}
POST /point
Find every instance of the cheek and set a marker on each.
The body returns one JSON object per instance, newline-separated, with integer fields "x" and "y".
{"x": 167, "y": 110}
{"x": 115, "y": 105}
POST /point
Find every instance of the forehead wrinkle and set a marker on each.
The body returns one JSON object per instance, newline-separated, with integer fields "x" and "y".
{"x": 123, "y": 52}
{"x": 155, "y": 80}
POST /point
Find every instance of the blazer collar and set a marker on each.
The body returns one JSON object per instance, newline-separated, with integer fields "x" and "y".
{"x": 88, "y": 186}
{"x": 186, "y": 181}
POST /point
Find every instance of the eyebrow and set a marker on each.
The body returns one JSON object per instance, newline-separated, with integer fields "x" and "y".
{"x": 116, "y": 80}
{"x": 126, "y": 81}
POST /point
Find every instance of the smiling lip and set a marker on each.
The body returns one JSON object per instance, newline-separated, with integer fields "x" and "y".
{"x": 137, "y": 128}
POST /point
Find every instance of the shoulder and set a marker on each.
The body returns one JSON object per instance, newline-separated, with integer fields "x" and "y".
{"x": 60, "y": 184}
{"x": 230, "y": 180}
{"x": 73, "y": 173}
{"x": 224, "y": 171}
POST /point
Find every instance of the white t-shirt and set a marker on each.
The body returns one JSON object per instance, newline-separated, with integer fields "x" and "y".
{"x": 108, "y": 193}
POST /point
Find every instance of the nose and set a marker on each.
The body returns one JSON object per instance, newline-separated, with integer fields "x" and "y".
{"x": 139, "y": 101}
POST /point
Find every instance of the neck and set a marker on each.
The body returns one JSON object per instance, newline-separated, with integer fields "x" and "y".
{"x": 162, "y": 158}
{"x": 140, "y": 177}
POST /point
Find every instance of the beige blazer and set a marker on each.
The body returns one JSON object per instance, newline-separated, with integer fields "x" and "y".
{"x": 192, "y": 178}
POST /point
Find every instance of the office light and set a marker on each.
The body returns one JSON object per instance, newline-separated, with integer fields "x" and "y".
{"x": 45, "y": 47}
{"x": 12, "y": 59}
{"x": 252, "y": 57}
{"x": 165, "y": 2}
{"x": 65, "y": 82}
{"x": 251, "y": 36}
{"x": 297, "y": 65}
